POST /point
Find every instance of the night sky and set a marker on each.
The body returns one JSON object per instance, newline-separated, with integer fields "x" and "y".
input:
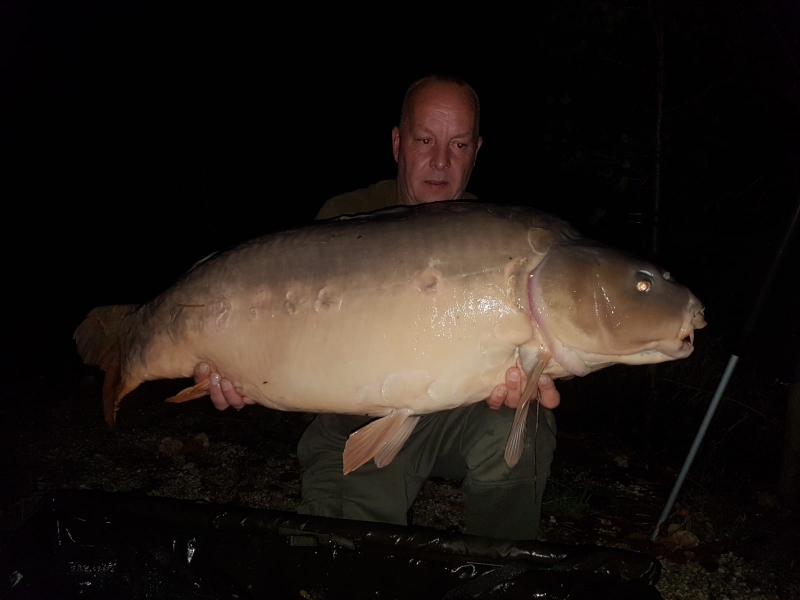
{"x": 137, "y": 138}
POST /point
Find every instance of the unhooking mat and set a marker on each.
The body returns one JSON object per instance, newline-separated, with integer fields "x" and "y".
{"x": 117, "y": 546}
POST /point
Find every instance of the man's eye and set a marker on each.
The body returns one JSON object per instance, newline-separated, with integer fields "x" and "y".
{"x": 426, "y": 140}
{"x": 461, "y": 145}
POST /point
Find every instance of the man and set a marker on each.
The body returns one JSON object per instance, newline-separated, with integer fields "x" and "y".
{"x": 435, "y": 146}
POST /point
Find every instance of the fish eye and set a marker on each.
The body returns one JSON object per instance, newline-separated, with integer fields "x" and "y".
{"x": 645, "y": 281}
{"x": 666, "y": 275}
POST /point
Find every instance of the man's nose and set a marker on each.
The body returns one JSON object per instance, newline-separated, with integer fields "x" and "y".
{"x": 441, "y": 156}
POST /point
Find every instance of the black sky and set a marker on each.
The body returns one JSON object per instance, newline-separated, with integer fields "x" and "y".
{"x": 138, "y": 138}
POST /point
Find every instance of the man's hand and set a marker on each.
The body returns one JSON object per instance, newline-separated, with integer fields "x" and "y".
{"x": 510, "y": 392}
{"x": 222, "y": 391}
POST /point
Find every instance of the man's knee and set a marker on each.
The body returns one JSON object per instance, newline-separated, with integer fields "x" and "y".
{"x": 502, "y": 501}
{"x": 366, "y": 495}
{"x": 487, "y": 439}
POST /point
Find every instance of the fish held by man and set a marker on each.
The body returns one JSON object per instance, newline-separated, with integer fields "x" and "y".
{"x": 395, "y": 314}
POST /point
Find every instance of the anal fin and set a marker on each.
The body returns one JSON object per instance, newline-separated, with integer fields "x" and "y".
{"x": 516, "y": 439}
{"x": 381, "y": 439}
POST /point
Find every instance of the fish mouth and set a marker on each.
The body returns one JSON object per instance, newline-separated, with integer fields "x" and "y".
{"x": 685, "y": 340}
{"x": 686, "y": 347}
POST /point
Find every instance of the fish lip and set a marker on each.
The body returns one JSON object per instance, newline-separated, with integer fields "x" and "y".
{"x": 699, "y": 319}
{"x": 685, "y": 346}
{"x": 694, "y": 321}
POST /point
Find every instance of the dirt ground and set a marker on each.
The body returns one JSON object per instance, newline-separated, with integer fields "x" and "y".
{"x": 601, "y": 491}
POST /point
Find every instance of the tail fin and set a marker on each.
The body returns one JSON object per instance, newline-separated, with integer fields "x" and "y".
{"x": 98, "y": 342}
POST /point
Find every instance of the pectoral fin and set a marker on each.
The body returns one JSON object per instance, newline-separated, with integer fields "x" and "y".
{"x": 516, "y": 439}
{"x": 381, "y": 439}
{"x": 196, "y": 391}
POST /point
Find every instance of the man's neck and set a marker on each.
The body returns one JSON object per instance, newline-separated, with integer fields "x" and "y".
{"x": 402, "y": 195}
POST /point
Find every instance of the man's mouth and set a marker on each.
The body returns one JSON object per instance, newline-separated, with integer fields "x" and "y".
{"x": 436, "y": 182}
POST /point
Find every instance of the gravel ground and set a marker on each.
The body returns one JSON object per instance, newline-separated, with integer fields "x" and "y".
{"x": 194, "y": 452}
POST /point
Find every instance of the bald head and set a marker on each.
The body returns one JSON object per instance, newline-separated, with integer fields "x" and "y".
{"x": 437, "y": 140}
{"x": 420, "y": 85}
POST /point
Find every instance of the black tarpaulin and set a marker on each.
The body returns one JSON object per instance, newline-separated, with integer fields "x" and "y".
{"x": 104, "y": 545}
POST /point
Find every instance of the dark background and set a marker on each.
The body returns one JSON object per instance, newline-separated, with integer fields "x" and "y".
{"x": 138, "y": 138}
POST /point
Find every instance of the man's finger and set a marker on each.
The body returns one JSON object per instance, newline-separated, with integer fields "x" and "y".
{"x": 201, "y": 372}
{"x": 217, "y": 397}
{"x": 515, "y": 381}
{"x": 232, "y": 397}
{"x": 497, "y": 397}
{"x": 548, "y": 394}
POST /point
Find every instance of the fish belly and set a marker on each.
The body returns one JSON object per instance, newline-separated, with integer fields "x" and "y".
{"x": 369, "y": 351}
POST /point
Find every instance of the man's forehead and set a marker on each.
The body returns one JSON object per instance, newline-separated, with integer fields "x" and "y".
{"x": 438, "y": 101}
{"x": 443, "y": 94}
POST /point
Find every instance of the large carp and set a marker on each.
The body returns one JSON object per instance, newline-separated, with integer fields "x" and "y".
{"x": 397, "y": 313}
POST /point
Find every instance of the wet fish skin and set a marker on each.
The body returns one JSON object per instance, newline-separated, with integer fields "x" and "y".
{"x": 396, "y": 313}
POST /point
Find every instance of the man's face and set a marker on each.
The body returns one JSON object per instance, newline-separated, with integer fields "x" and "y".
{"x": 436, "y": 145}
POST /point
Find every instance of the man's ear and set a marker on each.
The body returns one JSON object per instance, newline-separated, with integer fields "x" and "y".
{"x": 396, "y": 143}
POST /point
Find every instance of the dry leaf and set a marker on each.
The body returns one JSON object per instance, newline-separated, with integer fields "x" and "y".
{"x": 684, "y": 539}
{"x": 170, "y": 446}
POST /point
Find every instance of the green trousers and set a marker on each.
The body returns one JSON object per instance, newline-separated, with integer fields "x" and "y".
{"x": 466, "y": 443}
